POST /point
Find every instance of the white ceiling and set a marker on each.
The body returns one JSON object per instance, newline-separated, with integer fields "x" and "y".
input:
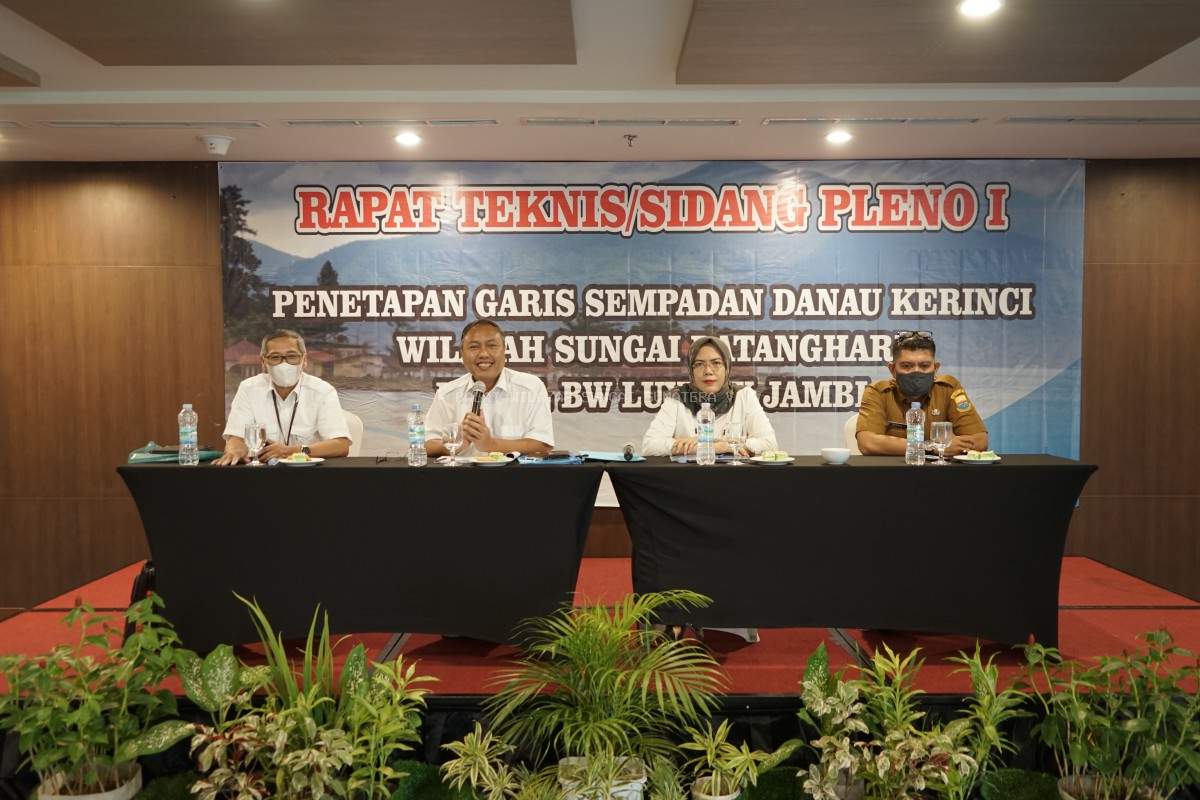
{"x": 627, "y": 52}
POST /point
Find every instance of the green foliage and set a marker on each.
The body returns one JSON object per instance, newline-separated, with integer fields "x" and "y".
{"x": 988, "y": 713}
{"x": 1018, "y": 784}
{"x": 169, "y": 787}
{"x": 594, "y": 679}
{"x": 872, "y": 730}
{"x": 85, "y": 708}
{"x": 723, "y": 768}
{"x": 666, "y": 780}
{"x": 312, "y": 736}
{"x": 243, "y": 292}
{"x": 480, "y": 765}
{"x": 1128, "y": 721}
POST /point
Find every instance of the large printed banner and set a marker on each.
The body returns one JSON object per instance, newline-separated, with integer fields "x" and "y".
{"x": 602, "y": 272}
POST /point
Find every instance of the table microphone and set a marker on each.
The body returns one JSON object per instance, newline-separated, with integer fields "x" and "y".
{"x": 628, "y": 451}
{"x": 478, "y": 388}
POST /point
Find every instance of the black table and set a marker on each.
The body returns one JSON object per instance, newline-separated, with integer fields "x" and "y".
{"x": 470, "y": 551}
{"x": 967, "y": 549}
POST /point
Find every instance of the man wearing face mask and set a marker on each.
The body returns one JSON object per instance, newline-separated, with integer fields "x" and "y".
{"x": 881, "y": 428}
{"x": 301, "y": 412}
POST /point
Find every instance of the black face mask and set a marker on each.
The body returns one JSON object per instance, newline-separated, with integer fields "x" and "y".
{"x": 914, "y": 384}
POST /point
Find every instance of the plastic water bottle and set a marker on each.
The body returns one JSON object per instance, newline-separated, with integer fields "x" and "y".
{"x": 914, "y": 424}
{"x": 706, "y": 449}
{"x": 188, "y": 455}
{"x": 416, "y": 437}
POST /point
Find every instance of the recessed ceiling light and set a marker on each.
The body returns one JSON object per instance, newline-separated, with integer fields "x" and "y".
{"x": 408, "y": 139}
{"x": 978, "y": 9}
{"x": 838, "y": 136}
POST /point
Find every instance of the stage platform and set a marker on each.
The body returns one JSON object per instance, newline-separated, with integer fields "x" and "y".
{"x": 1101, "y": 611}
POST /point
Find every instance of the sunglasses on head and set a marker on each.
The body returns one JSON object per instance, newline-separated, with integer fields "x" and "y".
{"x": 901, "y": 336}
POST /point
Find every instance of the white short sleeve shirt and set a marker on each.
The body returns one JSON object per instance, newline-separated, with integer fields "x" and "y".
{"x": 517, "y": 407}
{"x": 310, "y": 413}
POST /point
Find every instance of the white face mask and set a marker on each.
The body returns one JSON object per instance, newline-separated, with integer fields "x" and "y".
{"x": 285, "y": 374}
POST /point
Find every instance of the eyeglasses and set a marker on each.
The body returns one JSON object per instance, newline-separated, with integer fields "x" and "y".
{"x": 900, "y": 336}
{"x": 716, "y": 365}
{"x": 275, "y": 359}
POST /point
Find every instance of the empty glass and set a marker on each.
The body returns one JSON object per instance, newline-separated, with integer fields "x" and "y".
{"x": 453, "y": 441}
{"x": 942, "y": 434}
{"x": 736, "y": 440}
{"x": 256, "y": 438}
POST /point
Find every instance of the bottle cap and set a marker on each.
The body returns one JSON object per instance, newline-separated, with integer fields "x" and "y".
{"x": 416, "y": 406}
{"x": 706, "y": 405}
{"x": 916, "y": 405}
{"x": 187, "y": 406}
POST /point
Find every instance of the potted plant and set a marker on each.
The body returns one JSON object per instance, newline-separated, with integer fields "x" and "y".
{"x": 832, "y": 707}
{"x": 480, "y": 764}
{"x": 311, "y": 736}
{"x": 881, "y": 739}
{"x": 595, "y": 682}
{"x": 1124, "y": 727}
{"x": 722, "y": 770}
{"x": 84, "y": 712}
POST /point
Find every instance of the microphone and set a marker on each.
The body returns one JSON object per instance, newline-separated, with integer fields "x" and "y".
{"x": 478, "y": 388}
{"x": 628, "y": 451}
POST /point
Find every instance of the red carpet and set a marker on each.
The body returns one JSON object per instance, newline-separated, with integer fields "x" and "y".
{"x": 1102, "y": 611}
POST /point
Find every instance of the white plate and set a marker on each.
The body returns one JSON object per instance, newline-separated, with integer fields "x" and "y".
{"x": 312, "y": 460}
{"x": 966, "y": 460}
{"x": 480, "y": 462}
{"x": 771, "y": 461}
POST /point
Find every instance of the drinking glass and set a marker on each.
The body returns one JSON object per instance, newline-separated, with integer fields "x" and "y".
{"x": 256, "y": 439}
{"x": 736, "y": 440}
{"x": 942, "y": 433}
{"x": 453, "y": 441}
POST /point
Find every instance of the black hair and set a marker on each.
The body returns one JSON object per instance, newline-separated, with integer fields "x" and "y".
{"x": 486, "y": 323}
{"x": 913, "y": 343}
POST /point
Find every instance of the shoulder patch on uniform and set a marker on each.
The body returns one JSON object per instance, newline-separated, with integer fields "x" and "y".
{"x": 959, "y": 398}
{"x": 963, "y": 405}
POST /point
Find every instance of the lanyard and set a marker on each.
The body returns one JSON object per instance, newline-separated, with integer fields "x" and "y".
{"x": 292, "y": 421}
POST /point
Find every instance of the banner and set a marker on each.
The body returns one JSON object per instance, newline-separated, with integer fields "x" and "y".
{"x": 602, "y": 272}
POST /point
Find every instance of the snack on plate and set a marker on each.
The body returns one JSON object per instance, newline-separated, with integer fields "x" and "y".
{"x": 495, "y": 455}
{"x": 301, "y": 457}
{"x": 981, "y": 455}
{"x": 774, "y": 455}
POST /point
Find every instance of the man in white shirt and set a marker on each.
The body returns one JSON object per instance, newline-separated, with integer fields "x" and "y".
{"x": 515, "y": 411}
{"x": 301, "y": 412}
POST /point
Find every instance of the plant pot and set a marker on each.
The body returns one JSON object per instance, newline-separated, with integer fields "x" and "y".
{"x": 627, "y": 790}
{"x": 1086, "y": 787}
{"x": 130, "y": 786}
{"x": 700, "y": 791}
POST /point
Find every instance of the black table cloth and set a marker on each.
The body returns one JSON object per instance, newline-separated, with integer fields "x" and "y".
{"x": 967, "y": 549}
{"x": 470, "y": 551}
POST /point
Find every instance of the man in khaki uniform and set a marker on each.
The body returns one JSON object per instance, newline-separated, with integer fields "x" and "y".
{"x": 881, "y": 428}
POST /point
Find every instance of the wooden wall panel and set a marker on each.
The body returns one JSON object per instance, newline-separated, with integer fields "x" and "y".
{"x": 110, "y": 318}
{"x": 1141, "y": 390}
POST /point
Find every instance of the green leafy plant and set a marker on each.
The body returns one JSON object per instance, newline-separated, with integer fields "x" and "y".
{"x": 990, "y": 710}
{"x": 342, "y": 736}
{"x": 1018, "y": 784}
{"x": 722, "y": 768}
{"x": 872, "y": 732}
{"x": 595, "y": 679}
{"x": 480, "y": 764}
{"x": 601, "y": 775}
{"x": 85, "y": 711}
{"x": 1123, "y": 727}
{"x": 666, "y": 780}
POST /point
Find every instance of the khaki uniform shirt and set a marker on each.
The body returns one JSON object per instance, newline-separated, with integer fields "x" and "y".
{"x": 883, "y": 408}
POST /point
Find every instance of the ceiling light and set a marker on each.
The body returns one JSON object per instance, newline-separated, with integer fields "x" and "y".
{"x": 408, "y": 139}
{"x": 838, "y": 136}
{"x": 978, "y": 9}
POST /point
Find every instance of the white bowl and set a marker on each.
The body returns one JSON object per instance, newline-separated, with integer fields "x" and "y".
{"x": 835, "y": 455}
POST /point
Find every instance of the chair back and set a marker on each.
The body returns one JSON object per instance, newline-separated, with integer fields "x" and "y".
{"x": 355, "y": 424}
{"x": 848, "y": 435}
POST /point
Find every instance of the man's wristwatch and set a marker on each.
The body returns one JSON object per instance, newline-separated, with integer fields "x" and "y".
{"x": 306, "y": 450}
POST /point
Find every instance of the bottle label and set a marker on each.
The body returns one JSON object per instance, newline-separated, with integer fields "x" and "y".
{"x": 187, "y": 437}
{"x": 915, "y": 434}
{"x": 706, "y": 434}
